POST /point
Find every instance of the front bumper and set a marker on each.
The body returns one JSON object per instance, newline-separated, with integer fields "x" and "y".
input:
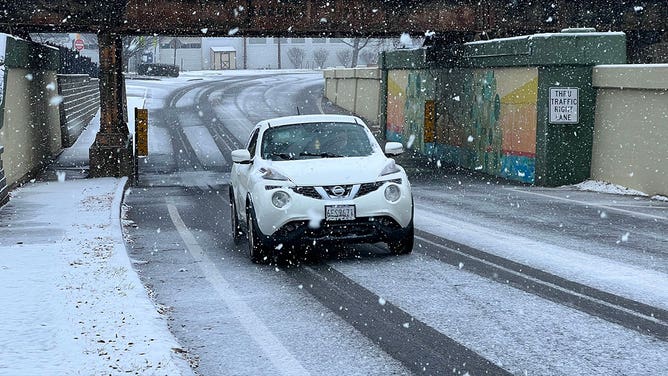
{"x": 361, "y": 230}
{"x": 304, "y": 216}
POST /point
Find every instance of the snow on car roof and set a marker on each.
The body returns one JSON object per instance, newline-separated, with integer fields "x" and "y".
{"x": 300, "y": 119}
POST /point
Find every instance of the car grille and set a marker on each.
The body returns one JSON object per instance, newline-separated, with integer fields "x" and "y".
{"x": 307, "y": 191}
{"x": 364, "y": 188}
{"x": 367, "y": 188}
{"x": 346, "y": 190}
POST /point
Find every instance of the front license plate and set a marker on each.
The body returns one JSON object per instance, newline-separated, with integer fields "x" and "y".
{"x": 339, "y": 212}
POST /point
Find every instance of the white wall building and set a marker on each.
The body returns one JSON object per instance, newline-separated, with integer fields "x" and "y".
{"x": 195, "y": 53}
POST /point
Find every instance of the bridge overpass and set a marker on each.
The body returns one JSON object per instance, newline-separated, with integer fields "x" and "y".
{"x": 453, "y": 21}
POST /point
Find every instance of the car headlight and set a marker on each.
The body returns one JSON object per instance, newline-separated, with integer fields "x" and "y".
{"x": 271, "y": 174}
{"x": 390, "y": 168}
{"x": 392, "y": 193}
{"x": 280, "y": 199}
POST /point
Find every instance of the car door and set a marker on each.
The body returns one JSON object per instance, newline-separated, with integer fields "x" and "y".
{"x": 241, "y": 175}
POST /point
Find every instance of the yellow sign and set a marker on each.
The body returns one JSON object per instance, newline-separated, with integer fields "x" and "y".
{"x": 141, "y": 131}
{"x": 429, "y": 121}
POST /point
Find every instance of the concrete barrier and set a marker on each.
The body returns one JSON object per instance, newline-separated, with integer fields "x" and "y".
{"x": 356, "y": 90}
{"x": 630, "y": 145}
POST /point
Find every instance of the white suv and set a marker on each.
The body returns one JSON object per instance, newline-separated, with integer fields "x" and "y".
{"x": 316, "y": 180}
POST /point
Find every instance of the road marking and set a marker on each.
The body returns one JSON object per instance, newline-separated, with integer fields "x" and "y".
{"x": 319, "y": 104}
{"x": 637, "y": 214}
{"x": 279, "y": 356}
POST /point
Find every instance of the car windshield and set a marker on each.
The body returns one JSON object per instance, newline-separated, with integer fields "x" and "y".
{"x": 315, "y": 140}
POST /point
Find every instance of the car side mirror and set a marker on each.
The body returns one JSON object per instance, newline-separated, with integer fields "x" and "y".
{"x": 241, "y": 156}
{"x": 394, "y": 148}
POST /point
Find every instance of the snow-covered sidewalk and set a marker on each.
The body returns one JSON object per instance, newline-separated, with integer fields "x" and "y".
{"x": 71, "y": 302}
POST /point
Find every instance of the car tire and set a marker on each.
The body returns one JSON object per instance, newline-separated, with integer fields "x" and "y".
{"x": 256, "y": 247}
{"x": 404, "y": 245}
{"x": 237, "y": 231}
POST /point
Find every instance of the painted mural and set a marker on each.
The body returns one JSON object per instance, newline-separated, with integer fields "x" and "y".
{"x": 485, "y": 118}
{"x": 397, "y": 83}
{"x": 407, "y": 93}
{"x": 487, "y": 121}
{"x": 518, "y": 91}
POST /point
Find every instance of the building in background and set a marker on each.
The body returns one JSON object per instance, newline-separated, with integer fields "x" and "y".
{"x": 196, "y": 53}
{"x": 201, "y": 53}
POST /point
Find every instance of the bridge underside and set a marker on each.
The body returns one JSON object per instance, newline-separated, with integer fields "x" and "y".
{"x": 453, "y": 21}
{"x": 329, "y": 17}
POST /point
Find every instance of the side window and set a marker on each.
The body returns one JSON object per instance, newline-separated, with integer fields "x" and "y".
{"x": 252, "y": 143}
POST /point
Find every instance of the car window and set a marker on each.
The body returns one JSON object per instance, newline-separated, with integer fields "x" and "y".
{"x": 315, "y": 140}
{"x": 252, "y": 143}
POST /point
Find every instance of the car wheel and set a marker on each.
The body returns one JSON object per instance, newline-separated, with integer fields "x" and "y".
{"x": 404, "y": 245}
{"x": 256, "y": 248}
{"x": 237, "y": 231}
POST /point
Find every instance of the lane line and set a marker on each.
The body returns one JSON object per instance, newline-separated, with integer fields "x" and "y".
{"x": 279, "y": 356}
{"x": 632, "y": 213}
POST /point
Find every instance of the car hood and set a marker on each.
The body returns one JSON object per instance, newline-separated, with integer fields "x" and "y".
{"x": 332, "y": 171}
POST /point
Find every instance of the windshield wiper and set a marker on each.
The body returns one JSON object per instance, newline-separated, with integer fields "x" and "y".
{"x": 321, "y": 155}
{"x": 285, "y": 156}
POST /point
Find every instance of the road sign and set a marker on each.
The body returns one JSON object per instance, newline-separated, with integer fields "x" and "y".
{"x": 564, "y": 105}
{"x": 79, "y": 44}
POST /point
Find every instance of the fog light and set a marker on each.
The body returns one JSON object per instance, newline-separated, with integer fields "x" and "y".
{"x": 280, "y": 199}
{"x": 392, "y": 193}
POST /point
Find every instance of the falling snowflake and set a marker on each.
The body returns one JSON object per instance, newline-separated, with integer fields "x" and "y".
{"x": 411, "y": 139}
{"x": 56, "y": 100}
{"x": 314, "y": 218}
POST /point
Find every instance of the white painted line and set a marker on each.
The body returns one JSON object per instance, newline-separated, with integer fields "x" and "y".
{"x": 611, "y": 208}
{"x": 279, "y": 356}
{"x": 319, "y": 104}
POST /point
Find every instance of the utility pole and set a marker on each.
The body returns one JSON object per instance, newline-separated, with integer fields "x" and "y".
{"x": 279, "y": 52}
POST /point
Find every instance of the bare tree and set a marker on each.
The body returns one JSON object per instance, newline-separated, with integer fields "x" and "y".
{"x": 296, "y": 56}
{"x": 136, "y": 46}
{"x": 356, "y": 44}
{"x": 344, "y": 56}
{"x": 320, "y": 57}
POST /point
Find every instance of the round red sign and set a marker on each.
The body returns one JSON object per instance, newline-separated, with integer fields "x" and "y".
{"x": 79, "y": 44}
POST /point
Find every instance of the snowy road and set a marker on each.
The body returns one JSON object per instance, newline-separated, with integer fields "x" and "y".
{"x": 450, "y": 307}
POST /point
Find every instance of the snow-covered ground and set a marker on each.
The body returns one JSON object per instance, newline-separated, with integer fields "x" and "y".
{"x": 71, "y": 302}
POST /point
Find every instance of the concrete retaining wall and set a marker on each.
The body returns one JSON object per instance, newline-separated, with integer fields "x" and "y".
{"x": 29, "y": 115}
{"x": 631, "y": 129}
{"x": 31, "y": 131}
{"x": 356, "y": 90}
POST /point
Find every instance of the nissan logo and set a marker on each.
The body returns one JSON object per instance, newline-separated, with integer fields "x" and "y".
{"x": 338, "y": 190}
